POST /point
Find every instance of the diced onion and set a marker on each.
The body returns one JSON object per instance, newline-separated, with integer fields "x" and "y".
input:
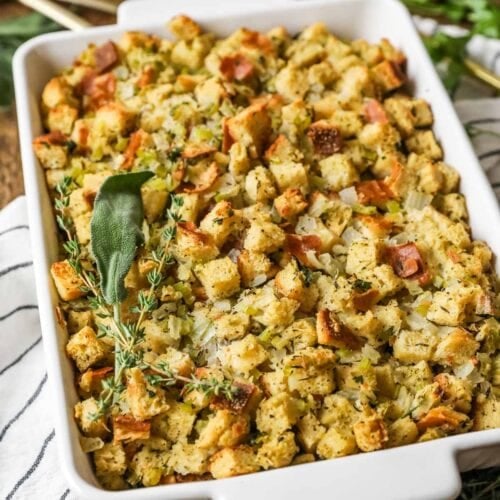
{"x": 223, "y": 305}
{"x": 464, "y": 370}
{"x": 417, "y": 201}
{"x": 233, "y": 254}
{"x": 90, "y": 444}
{"x": 258, "y": 280}
{"x": 350, "y": 235}
{"x": 370, "y": 353}
{"x": 349, "y": 195}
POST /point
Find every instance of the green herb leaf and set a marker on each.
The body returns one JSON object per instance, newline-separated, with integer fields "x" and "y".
{"x": 116, "y": 231}
{"x": 14, "y": 32}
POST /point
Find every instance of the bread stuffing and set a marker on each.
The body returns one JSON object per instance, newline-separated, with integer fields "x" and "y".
{"x": 303, "y": 283}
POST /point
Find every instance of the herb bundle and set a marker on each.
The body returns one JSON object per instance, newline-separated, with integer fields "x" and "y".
{"x": 115, "y": 236}
{"x": 13, "y": 33}
{"x": 482, "y": 17}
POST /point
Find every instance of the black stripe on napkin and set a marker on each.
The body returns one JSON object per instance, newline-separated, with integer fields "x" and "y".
{"x": 489, "y": 154}
{"x": 21, "y": 356}
{"x": 17, "y": 309}
{"x": 64, "y": 495}
{"x": 479, "y": 121}
{"x": 24, "y": 408}
{"x": 34, "y": 466}
{"x": 8, "y": 270}
{"x": 14, "y": 228}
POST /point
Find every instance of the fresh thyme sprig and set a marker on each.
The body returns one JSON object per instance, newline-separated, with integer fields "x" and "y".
{"x": 161, "y": 256}
{"x": 165, "y": 376}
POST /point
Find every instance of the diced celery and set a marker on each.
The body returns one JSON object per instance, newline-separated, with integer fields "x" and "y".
{"x": 364, "y": 209}
{"x": 393, "y": 207}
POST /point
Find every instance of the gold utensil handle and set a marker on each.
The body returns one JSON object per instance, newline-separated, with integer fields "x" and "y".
{"x": 482, "y": 73}
{"x": 58, "y": 14}
{"x": 101, "y": 5}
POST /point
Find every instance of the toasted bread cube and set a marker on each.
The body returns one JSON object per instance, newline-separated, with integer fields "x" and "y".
{"x": 176, "y": 424}
{"x": 148, "y": 465}
{"x": 250, "y": 127}
{"x": 337, "y": 442}
{"x": 178, "y": 361}
{"x": 62, "y": 118}
{"x": 76, "y": 320}
{"x": 78, "y": 203}
{"x": 370, "y": 432}
{"x": 220, "y": 222}
{"x": 451, "y": 178}
{"x": 190, "y": 206}
{"x": 184, "y": 27}
{"x": 277, "y": 414}
{"x": 363, "y": 255}
{"x": 452, "y": 306}
{"x": 290, "y": 203}
{"x": 223, "y": 429}
{"x": 143, "y": 400}
{"x": 232, "y": 326}
{"x": 56, "y": 92}
{"x": 259, "y": 185}
{"x": 186, "y": 458}
{"x": 310, "y": 371}
{"x": 273, "y": 383}
{"x": 388, "y": 76}
{"x": 85, "y": 349}
{"x": 456, "y": 349}
{"x": 487, "y": 414}
{"x": 193, "y": 245}
{"x": 154, "y": 202}
{"x": 110, "y": 459}
{"x": 210, "y": 93}
{"x": 277, "y": 451}
{"x": 310, "y": 432}
{"x": 337, "y": 411}
{"x": 191, "y": 53}
{"x": 253, "y": 265}
{"x": 423, "y": 142}
{"x": 230, "y": 462}
{"x": 289, "y": 281}
{"x": 92, "y": 183}
{"x": 338, "y": 172}
{"x": 219, "y": 277}
{"x": 51, "y": 156}
{"x": 412, "y": 347}
{"x": 113, "y": 119}
{"x": 85, "y": 415}
{"x": 291, "y": 82}
{"x": 401, "y": 432}
{"x": 68, "y": 283}
{"x": 239, "y": 163}
{"x": 264, "y": 237}
{"x": 422, "y": 113}
{"x": 242, "y": 356}
{"x": 289, "y": 175}
{"x": 302, "y": 333}
{"x": 82, "y": 227}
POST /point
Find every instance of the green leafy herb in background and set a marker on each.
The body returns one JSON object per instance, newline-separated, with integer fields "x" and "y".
{"x": 480, "y": 16}
{"x": 13, "y": 33}
{"x": 116, "y": 231}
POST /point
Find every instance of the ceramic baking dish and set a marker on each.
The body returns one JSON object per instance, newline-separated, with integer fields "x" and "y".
{"x": 424, "y": 471}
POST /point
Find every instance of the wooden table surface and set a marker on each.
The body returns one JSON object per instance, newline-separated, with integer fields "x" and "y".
{"x": 11, "y": 178}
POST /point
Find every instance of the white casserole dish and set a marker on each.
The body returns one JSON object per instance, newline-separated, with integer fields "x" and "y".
{"x": 428, "y": 470}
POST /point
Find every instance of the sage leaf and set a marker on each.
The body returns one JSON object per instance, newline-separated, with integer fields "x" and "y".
{"x": 115, "y": 231}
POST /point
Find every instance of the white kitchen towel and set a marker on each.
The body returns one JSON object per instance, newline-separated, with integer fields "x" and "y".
{"x": 28, "y": 460}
